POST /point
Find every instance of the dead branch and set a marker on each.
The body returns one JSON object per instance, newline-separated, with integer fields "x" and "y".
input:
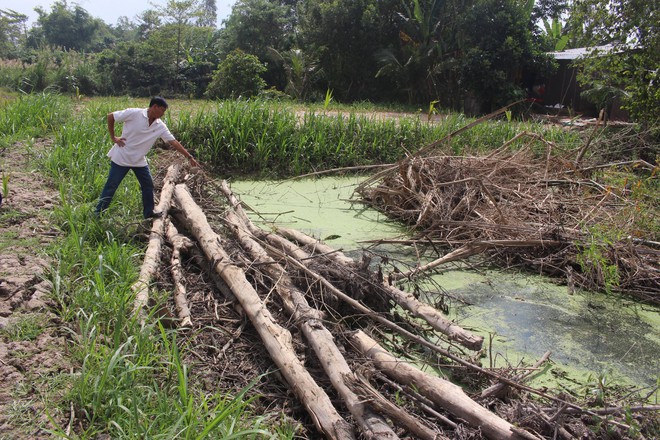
{"x": 499, "y": 388}
{"x": 180, "y": 243}
{"x": 445, "y": 200}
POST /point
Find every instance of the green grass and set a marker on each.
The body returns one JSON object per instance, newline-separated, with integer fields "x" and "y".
{"x": 131, "y": 381}
{"x": 281, "y": 140}
{"x": 24, "y": 328}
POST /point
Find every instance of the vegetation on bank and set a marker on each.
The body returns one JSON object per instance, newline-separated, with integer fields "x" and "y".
{"x": 132, "y": 381}
{"x": 469, "y": 55}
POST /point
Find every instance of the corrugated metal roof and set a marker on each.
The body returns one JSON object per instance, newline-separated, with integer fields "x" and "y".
{"x": 581, "y": 52}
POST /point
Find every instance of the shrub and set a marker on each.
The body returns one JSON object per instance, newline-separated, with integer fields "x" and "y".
{"x": 239, "y": 75}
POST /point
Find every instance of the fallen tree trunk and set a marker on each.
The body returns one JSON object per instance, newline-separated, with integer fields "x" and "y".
{"x": 179, "y": 243}
{"x": 153, "y": 253}
{"x": 309, "y": 320}
{"x": 405, "y": 300}
{"x": 277, "y": 340}
{"x": 444, "y": 393}
{"x": 285, "y": 249}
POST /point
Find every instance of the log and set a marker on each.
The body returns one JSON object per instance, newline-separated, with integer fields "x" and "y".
{"x": 282, "y": 248}
{"x": 276, "y": 339}
{"x": 153, "y": 253}
{"x": 407, "y": 301}
{"x": 179, "y": 243}
{"x": 442, "y": 392}
{"x": 309, "y": 320}
{"x": 317, "y": 246}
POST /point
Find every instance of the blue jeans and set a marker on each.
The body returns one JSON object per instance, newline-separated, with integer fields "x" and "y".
{"x": 116, "y": 175}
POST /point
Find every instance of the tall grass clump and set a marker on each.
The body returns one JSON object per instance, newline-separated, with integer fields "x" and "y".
{"x": 32, "y": 115}
{"x": 55, "y": 70}
{"x": 264, "y": 138}
{"x": 278, "y": 140}
{"x": 251, "y": 136}
{"x": 11, "y": 72}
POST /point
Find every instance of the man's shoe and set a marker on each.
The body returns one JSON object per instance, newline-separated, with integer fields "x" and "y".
{"x": 155, "y": 214}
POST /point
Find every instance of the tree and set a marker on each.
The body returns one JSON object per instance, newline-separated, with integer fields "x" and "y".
{"x": 498, "y": 49}
{"x": 548, "y": 10}
{"x": 179, "y": 15}
{"x": 209, "y": 15}
{"x": 255, "y": 27}
{"x": 141, "y": 68}
{"x": 199, "y": 61}
{"x": 67, "y": 27}
{"x": 415, "y": 63}
{"x": 302, "y": 71}
{"x": 238, "y": 75}
{"x": 12, "y": 32}
{"x": 148, "y": 21}
{"x": 346, "y": 35}
{"x": 631, "y": 28}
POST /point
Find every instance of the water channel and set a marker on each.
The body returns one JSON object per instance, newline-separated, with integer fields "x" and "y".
{"x": 591, "y": 336}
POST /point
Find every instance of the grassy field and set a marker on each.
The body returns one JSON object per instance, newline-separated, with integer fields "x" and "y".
{"x": 131, "y": 381}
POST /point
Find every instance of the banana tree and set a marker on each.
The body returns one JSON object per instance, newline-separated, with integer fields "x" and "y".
{"x": 553, "y": 32}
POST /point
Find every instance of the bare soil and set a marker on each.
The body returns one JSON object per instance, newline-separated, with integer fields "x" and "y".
{"x": 32, "y": 347}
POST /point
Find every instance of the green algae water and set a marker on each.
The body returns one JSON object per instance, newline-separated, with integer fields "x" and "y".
{"x": 591, "y": 336}
{"x": 318, "y": 207}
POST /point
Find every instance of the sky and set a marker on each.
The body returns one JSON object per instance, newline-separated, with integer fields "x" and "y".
{"x": 107, "y": 10}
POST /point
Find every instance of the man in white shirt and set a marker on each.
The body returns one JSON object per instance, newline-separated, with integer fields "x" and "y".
{"x": 141, "y": 129}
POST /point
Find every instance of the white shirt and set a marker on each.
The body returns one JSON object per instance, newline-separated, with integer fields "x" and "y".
{"x": 139, "y": 135}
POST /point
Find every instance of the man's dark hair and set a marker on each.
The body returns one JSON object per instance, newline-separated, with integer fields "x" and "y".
{"x": 157, "y": 100}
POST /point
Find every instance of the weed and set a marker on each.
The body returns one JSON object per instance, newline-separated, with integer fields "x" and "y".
{"x": 5, "y": 185}
{"x": 21, "y": 413}
{"x": 24, "y": 328}
{"x": 593, "y": 257}
{"x": 328, "y": 99}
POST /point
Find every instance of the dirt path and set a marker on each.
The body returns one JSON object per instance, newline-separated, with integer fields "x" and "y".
{"x": 33, "y": 364}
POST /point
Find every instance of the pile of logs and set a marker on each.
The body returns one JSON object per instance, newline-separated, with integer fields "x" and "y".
{"x": 358, "y": 375}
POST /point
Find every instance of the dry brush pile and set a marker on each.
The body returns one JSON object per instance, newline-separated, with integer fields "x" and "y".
{"x": 545, "y": 211}
{"x": 335, "y": 348}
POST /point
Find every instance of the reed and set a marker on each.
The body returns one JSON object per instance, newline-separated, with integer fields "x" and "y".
{"x": 32, "y": 115}
{"x": 280, "y": 140}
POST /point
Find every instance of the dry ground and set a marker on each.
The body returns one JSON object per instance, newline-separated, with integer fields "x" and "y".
{"x": 32, "y": 345}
